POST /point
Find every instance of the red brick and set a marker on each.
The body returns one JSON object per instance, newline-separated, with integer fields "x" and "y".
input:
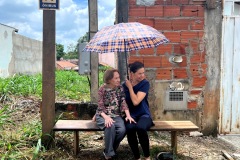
{"x": 188, "y": 35}
{"x": 196, "y": 92}
{"x": 152, "y": 61}
{"x": 135, "y": 58}
{"x": 163, "y": 2}
{"x": 165, "y": 62}
{"x": 184, "y": 62}
{"x": 192, "y": 105}
{"x": 136, "y": 11}
{"x": 181, "y": 24}
{"x": 194, "y": 45}
{"x": 164, "y": 49}
{"x": 189, "y": 11}
{"x": 199, "y": 81}
{"x": 132, "y": 2}
{"x": 71, "y": 107}
{"x": 201, "y": 11}
{"x": 197, "y": 24}
{"x": 132, "y": 19}
{"x": 147, "y": 21}
{"x": 200, "y": 34}
{"x": 146, "y": 51}
{"x": 177, "y": 2}
{"x": 171, "y": 11}
{"x": 204, "y": 69}
{"x": 154, "y": 11}
{"x": 180, "y": 48}
{"x": 162, "y": 24}
{"x": 197, "y": 58}
{"x": 174, "y": 37}
{"x": 162, "y": 74}
{"x": 194, "y": 70}
{"x": 133, "y": 53}
{"x": 180, "y": 73}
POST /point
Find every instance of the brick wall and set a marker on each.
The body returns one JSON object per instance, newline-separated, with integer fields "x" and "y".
{"x": 182, "y": 22}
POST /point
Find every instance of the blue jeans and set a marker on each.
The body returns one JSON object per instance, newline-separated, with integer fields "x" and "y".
{"x": 138, "y": 131}
{"x": 112, "y": 135}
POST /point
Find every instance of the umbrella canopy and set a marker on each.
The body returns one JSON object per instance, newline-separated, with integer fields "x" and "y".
{"x": 125, "y": 37}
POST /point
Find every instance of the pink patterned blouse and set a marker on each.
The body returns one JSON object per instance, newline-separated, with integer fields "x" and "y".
{"x": 111, "y": 101}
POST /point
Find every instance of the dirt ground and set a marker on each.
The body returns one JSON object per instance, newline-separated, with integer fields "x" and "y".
{"x": 91, "y": 143}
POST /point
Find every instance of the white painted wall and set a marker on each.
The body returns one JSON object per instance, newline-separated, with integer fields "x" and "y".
{"x": 6, "y": 49}
{"x": 18, "y": 54}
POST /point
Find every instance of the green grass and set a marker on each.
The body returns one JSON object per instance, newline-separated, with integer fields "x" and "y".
{"x": 23, "y": 140}
{"x": 69, "y": 85}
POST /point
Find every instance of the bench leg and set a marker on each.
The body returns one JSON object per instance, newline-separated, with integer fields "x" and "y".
{"x": 174, "y": 142}
{"x": 76, "y": 142}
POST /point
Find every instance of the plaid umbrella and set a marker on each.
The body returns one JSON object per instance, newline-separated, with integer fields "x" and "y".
{"x": 125, "y": 37}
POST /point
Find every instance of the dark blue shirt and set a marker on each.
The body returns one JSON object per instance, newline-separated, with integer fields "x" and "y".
{"x": 142, "y": 109}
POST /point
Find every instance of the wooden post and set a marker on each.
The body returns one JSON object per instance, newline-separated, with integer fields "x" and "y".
{"x": 174, "y": 142}
{"x": 76, "y": 142}
{"x": 48, "y": 77}
{"x": 122, "y": 16}
{"x": 93, "y": 28}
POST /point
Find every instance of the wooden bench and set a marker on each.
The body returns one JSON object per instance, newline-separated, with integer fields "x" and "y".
{"x": 88, "y": 125}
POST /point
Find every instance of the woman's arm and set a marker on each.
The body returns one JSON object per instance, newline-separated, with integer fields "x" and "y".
{"x": 128, "y": 117}
{"x": 136, "y": 98}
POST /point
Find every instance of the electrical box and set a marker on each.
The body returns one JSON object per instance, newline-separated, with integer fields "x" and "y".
{"x": 84, "y": 60}
{"x": 175, "y": 100}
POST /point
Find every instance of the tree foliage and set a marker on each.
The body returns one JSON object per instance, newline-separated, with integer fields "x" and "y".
{"x": 60, "y": 51}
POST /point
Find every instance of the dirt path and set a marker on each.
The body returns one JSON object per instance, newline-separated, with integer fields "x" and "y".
{"x": 91, "y": 143}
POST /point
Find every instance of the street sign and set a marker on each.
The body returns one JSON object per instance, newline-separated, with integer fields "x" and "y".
{"x": 49, "y": 4}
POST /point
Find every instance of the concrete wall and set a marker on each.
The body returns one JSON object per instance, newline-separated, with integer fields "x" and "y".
{"x": 193, "y": 34}
{"x": 18, "y": 54}
{"x": 27, "y": 56}
{"x": 213, "y": 29}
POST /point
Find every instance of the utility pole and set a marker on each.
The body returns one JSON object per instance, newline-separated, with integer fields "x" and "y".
{"x": 122, "y": 16}
{"x": 93, "y": 28}
{"x": 48, "y": 76}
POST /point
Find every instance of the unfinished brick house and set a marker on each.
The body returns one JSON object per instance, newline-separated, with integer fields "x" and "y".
{"x": 190, "y": 88}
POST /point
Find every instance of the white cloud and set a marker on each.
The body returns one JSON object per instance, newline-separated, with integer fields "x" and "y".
{"x": 71, "y": 19}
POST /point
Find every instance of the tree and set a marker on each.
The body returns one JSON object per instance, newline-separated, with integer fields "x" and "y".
{"x": 60, "y": 51}
{"x": 84, "y": 38}
{"x": 72, "y": 52}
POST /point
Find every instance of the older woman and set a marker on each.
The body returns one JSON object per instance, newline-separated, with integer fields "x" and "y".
{"x": 111, "y": 105}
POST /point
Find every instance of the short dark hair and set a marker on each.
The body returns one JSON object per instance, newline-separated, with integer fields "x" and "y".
{"x": 108, "y": 75}
{"x": 135, "y": 66}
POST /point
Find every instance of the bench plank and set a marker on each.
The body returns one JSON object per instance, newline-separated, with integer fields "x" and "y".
{"x": 89, "y": 125}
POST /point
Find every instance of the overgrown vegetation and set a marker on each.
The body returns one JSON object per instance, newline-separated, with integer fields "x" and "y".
{"x": 69, "y": 85}
{"x": 23, "y": 140}
{"x": 20, "y": 126}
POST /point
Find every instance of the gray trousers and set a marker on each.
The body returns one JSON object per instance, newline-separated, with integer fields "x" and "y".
{"x": 112, "y": 135}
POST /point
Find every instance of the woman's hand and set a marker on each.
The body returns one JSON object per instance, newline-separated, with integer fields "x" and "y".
{"x": 128, "y": 84}
{"x": 130, "y": 119}
{"x": 94, "y": 118}
{"x": 108, "y": 121}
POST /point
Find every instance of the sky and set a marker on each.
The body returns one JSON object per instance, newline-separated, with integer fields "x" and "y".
{"x": 71, "y": 19}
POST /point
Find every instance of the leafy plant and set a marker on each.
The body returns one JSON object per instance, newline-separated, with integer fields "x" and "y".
{"x": 5, "y": 117}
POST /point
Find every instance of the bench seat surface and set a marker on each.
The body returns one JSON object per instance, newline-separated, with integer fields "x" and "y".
{"x": 89, "y": 125}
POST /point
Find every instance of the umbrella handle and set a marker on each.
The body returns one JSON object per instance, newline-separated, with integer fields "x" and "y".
{"x": 126, "y": 58}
